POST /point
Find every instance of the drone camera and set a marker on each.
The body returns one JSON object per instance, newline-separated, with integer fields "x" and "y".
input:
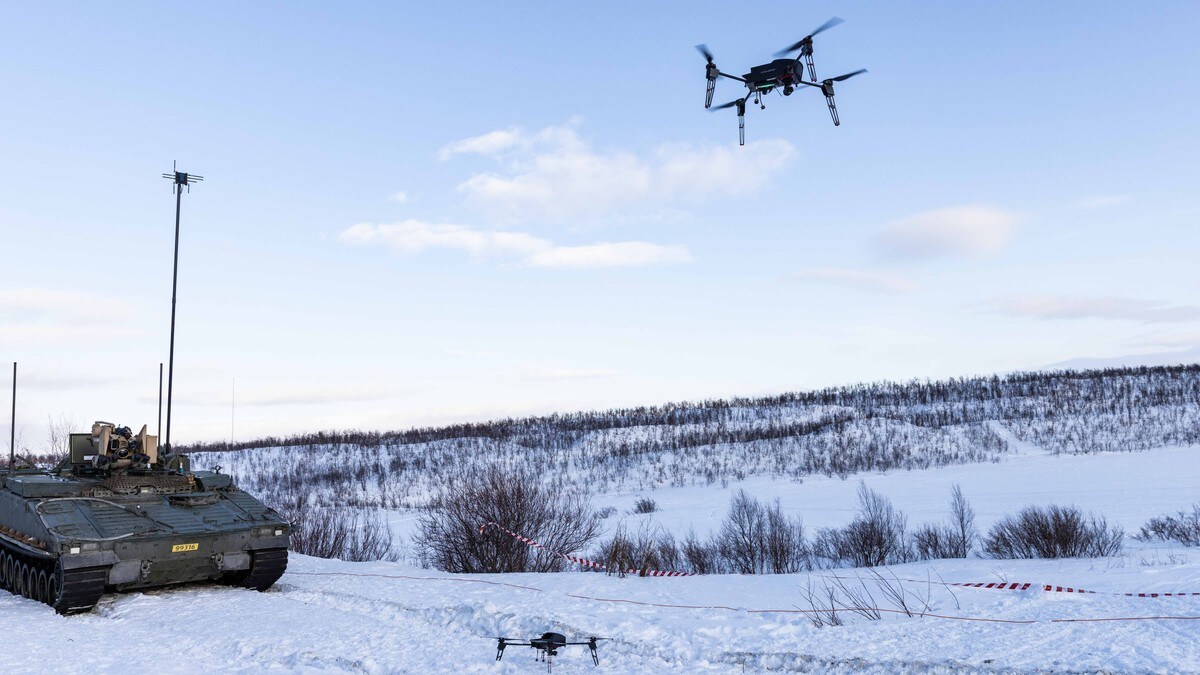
{"x": 788, "y": 89}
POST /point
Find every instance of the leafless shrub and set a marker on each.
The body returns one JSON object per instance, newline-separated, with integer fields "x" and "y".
{"x": 372, "y": 539}
{"x": 606, "y": 512}
{"x": 58, "y": 435}
{"x": 857, "y": 598}
{"x": 875, "y": 536}
{"x": 618, "y": 553}
{"x": 932, "y": 541}
{"x": 1053, "y": 532}
{"x": 317, "y": 531}
{"x": 702, "y": 557}
{"x": 1182, "y": 527}
{"x": 755, "y": 539}
{"x": 346, "y": 534}
{"x": 449, "y": 537}
{"x": 787, "y": 551}
{"x": 742, "y": 539}
{"x": 962, "y": 521}
{"x": 645, "y": 505}
{"x": 824, "y": 605}
{"x": 949, "y": 589}
{"x": 651, "y": 548}
{"x": 670, "y": 557}
{"x": 893, "y": 590}
{"x": 952, "y": 540}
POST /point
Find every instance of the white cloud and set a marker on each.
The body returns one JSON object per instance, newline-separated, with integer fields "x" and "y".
{"x": 400, "y": 197}
{"x": 40, "y": 315}
{"x": 620, "y": 254}
{"x": 412, "y": 236}
{"x": 1101, "y": 201}
{"x": 491, "y": 143}
{"x": 960, "y": 231}
{"x": 862, "y": 280}
{"x": 1084, "y": 307}
{"x": 555, "y": 174}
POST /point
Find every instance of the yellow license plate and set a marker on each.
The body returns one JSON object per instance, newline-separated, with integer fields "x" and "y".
{"x": 180, "y": 548}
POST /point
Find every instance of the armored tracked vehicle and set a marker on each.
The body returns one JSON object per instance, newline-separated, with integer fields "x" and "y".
{"x": 115, "y": 515}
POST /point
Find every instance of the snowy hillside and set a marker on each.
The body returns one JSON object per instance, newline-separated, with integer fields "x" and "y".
{"x": 834, "y": 432}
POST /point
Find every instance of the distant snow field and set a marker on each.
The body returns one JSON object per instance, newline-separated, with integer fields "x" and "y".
{"x": 329, "y": 615}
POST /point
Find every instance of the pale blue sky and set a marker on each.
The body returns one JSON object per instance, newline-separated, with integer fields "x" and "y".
{"x": 426, "y": 213}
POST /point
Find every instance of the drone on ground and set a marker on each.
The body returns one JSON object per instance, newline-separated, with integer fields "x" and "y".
{"x": 548, "y": 644}
{"x": 785, "y": 74}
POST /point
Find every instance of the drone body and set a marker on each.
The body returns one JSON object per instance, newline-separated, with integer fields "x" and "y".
{"x": 785, "y": 74}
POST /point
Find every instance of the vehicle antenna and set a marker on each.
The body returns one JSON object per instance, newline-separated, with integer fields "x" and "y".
{"x": 180, "y": 180}
{"x": 12, "y": 431}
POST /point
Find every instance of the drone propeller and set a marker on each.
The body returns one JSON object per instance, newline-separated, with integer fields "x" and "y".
{"x": 805, "y": 45}
{"x": 806, "y": 41}
{"x": 741, "y": 111}
{"x": 827, "y": 89}
{"x": 847, "y": 76}
{"x": 710, "y": 74}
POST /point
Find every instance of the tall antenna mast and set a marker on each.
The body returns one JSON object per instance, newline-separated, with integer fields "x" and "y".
{"x": 180, "y": 180}
{"x": 12, "y": 432}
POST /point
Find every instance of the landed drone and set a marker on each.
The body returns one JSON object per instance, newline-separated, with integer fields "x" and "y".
{"x": 548, "y": 645}
{"x": 785, "y": 74}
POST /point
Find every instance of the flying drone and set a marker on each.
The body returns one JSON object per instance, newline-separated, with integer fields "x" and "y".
{"x": 785, "y": 74}
{"x": 548, "y": 644}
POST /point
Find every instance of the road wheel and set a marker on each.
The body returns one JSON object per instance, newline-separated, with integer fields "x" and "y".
{"x": 23, "y": 580}
{"x": 5, "y": 576}
{"x": 43, "y": 586}
{"x": 54, "y": 586}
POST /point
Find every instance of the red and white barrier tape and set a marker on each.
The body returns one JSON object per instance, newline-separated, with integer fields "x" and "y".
{"x": 583, "y": 561}
{"x": 1014, "y": 586}
{"x": 1024, "y": 586}
{"x": 1050, "y": 588}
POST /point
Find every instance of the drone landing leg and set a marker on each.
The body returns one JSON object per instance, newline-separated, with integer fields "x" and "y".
{"x": 833, "y": 110}
{"x": 741, "y": 130}
{"x": 595, "y": 656}
{"x": 708, "y": 93}
{"x": 812, "y": 67}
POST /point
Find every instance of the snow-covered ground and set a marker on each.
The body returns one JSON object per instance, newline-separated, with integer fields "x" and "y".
{"x": 389, "y": 618}
{"x": 327, "y": 615}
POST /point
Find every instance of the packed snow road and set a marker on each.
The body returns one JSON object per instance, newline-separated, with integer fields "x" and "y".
{"x": 388, "y": 618}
